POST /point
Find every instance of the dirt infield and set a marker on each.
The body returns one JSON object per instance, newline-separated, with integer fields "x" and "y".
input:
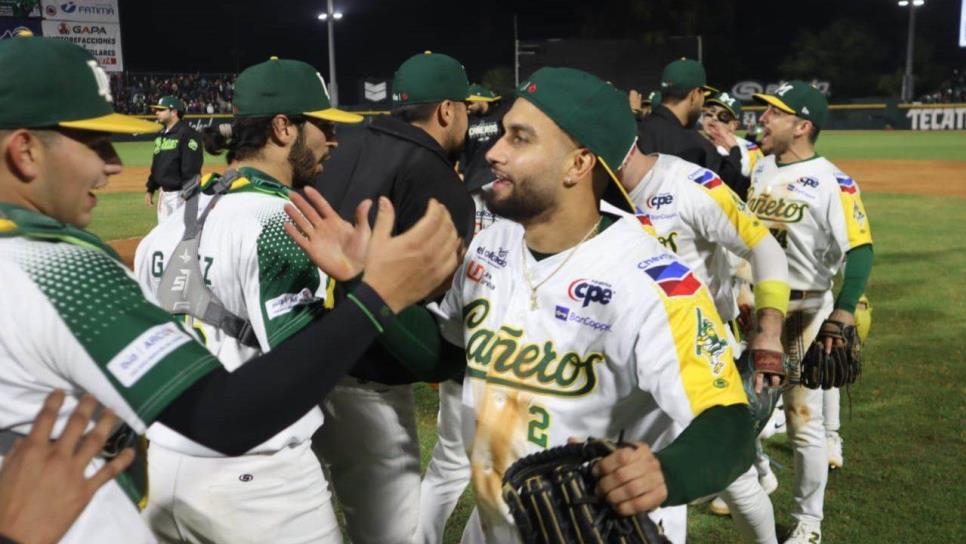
{"x": 126, "y": 248}
{"x": 942, "y": 178}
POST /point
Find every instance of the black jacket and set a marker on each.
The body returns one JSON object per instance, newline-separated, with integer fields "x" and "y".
{"x": 661, "y": 132}
{"x": 178, "y": 155}
{"x": 389, "y": 157}
{"x": 483, "y": 132}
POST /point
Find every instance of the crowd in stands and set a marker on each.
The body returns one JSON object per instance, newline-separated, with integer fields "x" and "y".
{"x": 203, "y": 93}
{"x": 953, "y": 90}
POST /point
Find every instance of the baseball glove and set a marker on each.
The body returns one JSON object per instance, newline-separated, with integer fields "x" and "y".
{"x": 755, "y": 361}
{"x": 839, "y": 368}
{"x": 552, "y": 497}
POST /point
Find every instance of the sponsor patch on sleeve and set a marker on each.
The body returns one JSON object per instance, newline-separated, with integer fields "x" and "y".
{"x": 145, "y": 351}
{"x": 192, "y": 145}
{"x": 705, "y": 177}
{"x": 846, "y": 184}
{"x": 284, "y": 303}
{"x": 674, "y": 278}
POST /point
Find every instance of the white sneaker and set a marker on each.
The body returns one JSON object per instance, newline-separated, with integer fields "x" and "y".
{"x": 768, "y": 481}
{"x": 835, "y": 458}
{"x": 775, "y": 424}
{"x": 719, "y": 507}
{"x": 805, "y": 533}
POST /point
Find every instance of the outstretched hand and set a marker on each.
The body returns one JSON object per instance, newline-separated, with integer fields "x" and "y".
{"x": 333, "y": 244}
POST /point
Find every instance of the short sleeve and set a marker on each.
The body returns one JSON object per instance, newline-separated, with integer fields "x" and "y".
{"x": 848, "y": 218}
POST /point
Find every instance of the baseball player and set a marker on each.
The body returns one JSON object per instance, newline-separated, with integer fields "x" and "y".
{"x": 722, "y": 113}
{"x": 576, "y": 323}
{"x": 83, "y": 325}
{"x": 697, "y": 216}
{"x": 178, "y": 156}
{"x": 815, "y": 212}
{"x": 259, "y": 275}
{"x": 407, "y": 157}
{"x": 448, "y": 471}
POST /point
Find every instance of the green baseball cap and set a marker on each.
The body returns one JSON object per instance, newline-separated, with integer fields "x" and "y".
{"x": 683, "y": 75}
{"x": 169, "y": 103}
{"x": 479, "y": 93}
{"x": 726, "y": 101}
{"x": 653, "y": 97}
{"x": 289, "y": 87}
{"x": 429, "y": 77}
{"x": 49, "y": 82}
{"x": 591, "y": 111}
{"x": 799, "y": 98}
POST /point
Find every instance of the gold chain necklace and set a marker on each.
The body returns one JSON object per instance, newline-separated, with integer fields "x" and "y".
{"x": 528, "y": 277}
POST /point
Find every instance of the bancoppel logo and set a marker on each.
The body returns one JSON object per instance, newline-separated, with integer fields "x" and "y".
{"x": 587, "y": 291}
{"x": 145, "y": 351}
{"x": 286, "y": 302}
{"x": 664, "y": 199}
{"x": 563, "y": 313}
{"x": 496, "y": 258}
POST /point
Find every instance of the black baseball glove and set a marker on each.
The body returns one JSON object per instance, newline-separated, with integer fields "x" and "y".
{"x": 838, "y": 368}
{"x": 552, "y": 497}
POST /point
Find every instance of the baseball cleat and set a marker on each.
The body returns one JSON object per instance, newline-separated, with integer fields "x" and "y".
{"x": 835, "y": 458}
{"x": 719, "y": 507}
{"x": 805, "y": 533}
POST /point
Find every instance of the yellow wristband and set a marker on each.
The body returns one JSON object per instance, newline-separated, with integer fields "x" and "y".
{"x": 772, "y": 294}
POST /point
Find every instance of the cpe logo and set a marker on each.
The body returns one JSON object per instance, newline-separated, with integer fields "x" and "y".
{"x": 587, "y": 291}
{"x": 656, "y": 201}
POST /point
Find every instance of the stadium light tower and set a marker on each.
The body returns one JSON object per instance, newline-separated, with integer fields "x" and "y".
{"x": 330, "y": 16}
{"x": 907, "y": 79}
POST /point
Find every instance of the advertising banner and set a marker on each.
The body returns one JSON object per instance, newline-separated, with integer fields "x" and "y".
{"x": 101, "y": 11}
{"x": 103, "y": 40}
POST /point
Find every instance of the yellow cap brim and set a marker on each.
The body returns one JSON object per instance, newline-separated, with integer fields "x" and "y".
{"x": 157, "y": 107}
{"x": 478, "y": 98}
{"x": 709, "y": 90}
{"x": 114, "y": 122}
{"x": 774, "y": 101}
{"x": 336, "y": 116}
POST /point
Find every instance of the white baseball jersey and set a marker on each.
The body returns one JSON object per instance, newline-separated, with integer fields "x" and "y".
{"x": 814, "y": 211}
{"x": 256, "y": 271}
{"x": 750, "y": 155}
{"x": 624, "y": 342}
{"x": 697, "y": 216}
{"x": 75, "y": 319}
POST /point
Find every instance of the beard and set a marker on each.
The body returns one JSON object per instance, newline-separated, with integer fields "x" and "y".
{"x": 303, "y": 162}
{"x": 693, "y": 116}
{"x": 522, "y": 205}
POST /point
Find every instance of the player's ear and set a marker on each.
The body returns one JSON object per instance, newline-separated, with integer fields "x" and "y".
{"x": 283, "y": 130}
{"x": 23, "y": 152}
{"x": 580, "y": 165}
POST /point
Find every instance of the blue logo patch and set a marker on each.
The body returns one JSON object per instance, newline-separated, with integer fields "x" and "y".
{"x": 562, "y": 313}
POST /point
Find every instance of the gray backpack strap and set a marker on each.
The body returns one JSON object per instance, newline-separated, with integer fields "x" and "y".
{"x": 182, "y": 290}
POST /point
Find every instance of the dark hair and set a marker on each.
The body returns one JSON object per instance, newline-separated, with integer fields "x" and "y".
{"x": 676, "y": 95}
{"x": 243, "y": 138}
{"x": 179, "y": 112}
{"x": 813, "y": 133}
{"x": 415, "y": 113}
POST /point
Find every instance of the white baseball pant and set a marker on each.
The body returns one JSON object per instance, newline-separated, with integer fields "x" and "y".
{"x": 168, "y": 203}
{"x": 803, "y": 410}
{"x": 369, "y": 443}
{"x": 448, "y": 472}
{"x": 282, "y": 497}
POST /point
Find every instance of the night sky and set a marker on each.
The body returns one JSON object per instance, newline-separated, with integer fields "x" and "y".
{"x": 742, "y": 39}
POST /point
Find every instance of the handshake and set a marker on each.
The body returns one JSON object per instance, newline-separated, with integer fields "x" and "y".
{"x": 403, "y": 269}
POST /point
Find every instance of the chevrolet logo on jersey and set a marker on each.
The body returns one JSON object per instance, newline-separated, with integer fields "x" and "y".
{"x": 503, "y": 358}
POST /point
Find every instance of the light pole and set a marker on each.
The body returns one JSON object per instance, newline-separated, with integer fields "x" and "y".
{"x": 907, "y": 78}
{"x": 330, "y": 16}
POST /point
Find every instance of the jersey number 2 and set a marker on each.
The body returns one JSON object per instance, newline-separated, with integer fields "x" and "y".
{"x": 537, "y": 431}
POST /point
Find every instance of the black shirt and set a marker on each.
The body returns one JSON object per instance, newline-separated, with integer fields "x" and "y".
{"x": 178, "y": 155}
{"x": 484, "y": 130}
{"x": 662, "y": 132}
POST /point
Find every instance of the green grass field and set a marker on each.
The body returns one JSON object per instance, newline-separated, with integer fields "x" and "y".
{"x": 903, "y": 479}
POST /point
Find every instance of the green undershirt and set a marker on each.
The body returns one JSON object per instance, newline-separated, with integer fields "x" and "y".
{"x": 858, "y": 266}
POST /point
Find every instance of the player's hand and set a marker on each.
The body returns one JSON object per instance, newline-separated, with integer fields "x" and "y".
{"x": 846, "y": 318}
{"x": 719, "y": 133}
{"x": 42, "y": 483}
{"x": 635, "y": 100}
{"x": 149, "y": 199}
{"x": 332, "y": 243}
{"x": 405, "y": 269}
{"x": 768, "y": 336}
{"x": 631, "y": 479}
